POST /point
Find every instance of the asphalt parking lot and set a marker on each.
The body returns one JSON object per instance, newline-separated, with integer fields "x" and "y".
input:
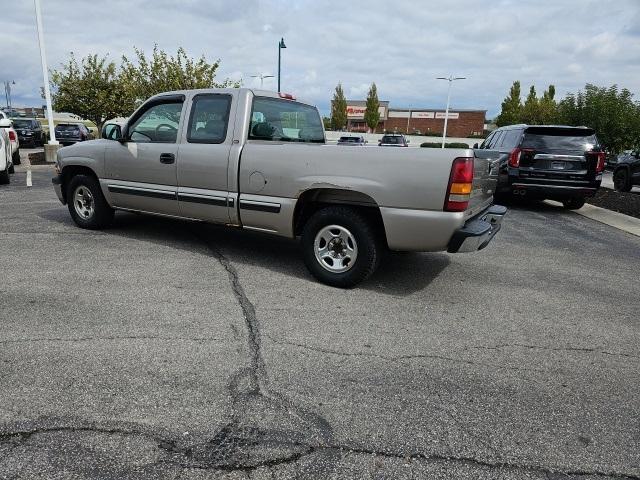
{"x": 166, "y": 349}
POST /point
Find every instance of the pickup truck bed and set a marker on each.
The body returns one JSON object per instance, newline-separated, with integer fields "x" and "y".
{"x": 258, "y": 160}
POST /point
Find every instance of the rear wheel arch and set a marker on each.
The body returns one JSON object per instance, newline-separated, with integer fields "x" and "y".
{"x": 312, "y": 200}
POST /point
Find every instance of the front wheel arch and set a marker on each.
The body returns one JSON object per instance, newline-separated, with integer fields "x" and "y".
{"x": 71, "y": 171}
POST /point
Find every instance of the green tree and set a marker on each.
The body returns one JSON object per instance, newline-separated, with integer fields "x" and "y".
{"x": 511, "y": 112}
{"x": 547, "y": 107}
{"x": 531, "y": 108}
{"x": 372, "y": 112}
{"x": 90, "y": 89}
{"x": 338, "y": 109}
{"x": 610, "y": 111}
{"x": 144, "y": 77}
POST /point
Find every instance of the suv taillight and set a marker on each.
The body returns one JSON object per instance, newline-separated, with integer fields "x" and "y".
{"x": 460, "y": 185}
{"x": 12, "y": 135}
{"x": 517, "y": 153}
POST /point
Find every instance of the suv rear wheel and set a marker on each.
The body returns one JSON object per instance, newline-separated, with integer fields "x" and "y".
{"x": 340, "y": 246}
{"x": 573, "y": 203}
{"x": 622, "y": 180}
{"x": 4, "y": 175}
{"x": 87, "y": 205}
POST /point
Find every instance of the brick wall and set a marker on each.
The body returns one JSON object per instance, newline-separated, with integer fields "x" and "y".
{"x": 466, "y": 124}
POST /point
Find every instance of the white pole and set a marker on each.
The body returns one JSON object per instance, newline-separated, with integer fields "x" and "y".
{"x": 45, "y": 74}
{"x": 446, "y": 114}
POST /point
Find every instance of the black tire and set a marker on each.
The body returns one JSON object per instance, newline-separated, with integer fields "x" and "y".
{"x": 16, "y": 157}
{"x": 573, "y": 203}
{"x": 622, "y": 180}
{"x": 102, "y": 213}
{"x": 368, "y": 243}
{"x": 12, "y": 168}
{"x": 5, "y": 179}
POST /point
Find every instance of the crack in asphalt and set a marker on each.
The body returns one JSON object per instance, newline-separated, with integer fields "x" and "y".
{"x": 555, "y": 349}
{"x": 110, "y": 338}
{"x": 399, "y": 358}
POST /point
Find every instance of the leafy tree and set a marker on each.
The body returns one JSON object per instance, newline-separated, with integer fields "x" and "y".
{"x": 96, "y": 89}
{"x": 90, "y": 89}
{"x": 338, "y": 109}
{"x": 547, "y": 107}
{"x": 531, "y": 108}
{"x": 162, "y": 72}
{"x": 511, "y": 107}
{"x": 326, "y": 121}
{"x": 372, "y": 113}
{"x": 610, "y": 111}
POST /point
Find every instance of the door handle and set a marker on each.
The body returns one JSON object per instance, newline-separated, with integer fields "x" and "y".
{"x": 167, "y": 158}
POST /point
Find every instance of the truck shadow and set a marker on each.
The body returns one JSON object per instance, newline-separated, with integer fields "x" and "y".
{"x": 399, "y": 274}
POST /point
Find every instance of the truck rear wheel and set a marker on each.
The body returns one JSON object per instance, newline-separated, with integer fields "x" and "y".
{"x": 87, "y": 205}
{"x": 340, "y": 246}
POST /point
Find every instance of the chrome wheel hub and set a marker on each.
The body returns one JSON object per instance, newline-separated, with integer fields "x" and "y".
{"x": 335, "y": 248}
{"x": 83, "y": 202}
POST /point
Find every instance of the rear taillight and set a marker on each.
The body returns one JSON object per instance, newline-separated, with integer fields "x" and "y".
{"x": 460, "y": 185}
{"x": 601, "y": 159}
{"x": 12, "y": 135}
{"x": 516, "y": 154}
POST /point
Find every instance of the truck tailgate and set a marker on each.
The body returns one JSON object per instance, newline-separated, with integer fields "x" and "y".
{"x": 485, "y": 179}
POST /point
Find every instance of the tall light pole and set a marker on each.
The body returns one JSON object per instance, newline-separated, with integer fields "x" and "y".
{"x": 281, "y": 45}
{"x": 262, "y": 77}
{"x": 45, "y": 74}
{"x": 451, "y": 79}
{"x": 7, "y": 92}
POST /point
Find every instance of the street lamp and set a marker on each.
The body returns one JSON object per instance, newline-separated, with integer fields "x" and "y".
{"x": 262, "y": 77}
{"x": 47, "y": 91}
{"x": 281, "y": 45}
{"x": 451, "y": 79}
{"x": 7, "y": 92}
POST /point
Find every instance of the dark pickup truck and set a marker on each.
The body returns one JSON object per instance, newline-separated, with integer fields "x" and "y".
{"x": 548, "y": 162}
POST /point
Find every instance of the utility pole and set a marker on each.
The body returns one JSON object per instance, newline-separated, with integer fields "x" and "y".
{"x": 451, "y": 79}
{"x": 281, "y": 45}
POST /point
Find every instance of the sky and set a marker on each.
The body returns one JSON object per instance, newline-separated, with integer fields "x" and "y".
{"x": 402, "y": 46}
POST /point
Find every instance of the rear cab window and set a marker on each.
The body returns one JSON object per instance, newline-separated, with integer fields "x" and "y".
{"x": 274, "y": 119}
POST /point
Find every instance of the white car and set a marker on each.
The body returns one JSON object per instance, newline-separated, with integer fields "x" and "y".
{"x": 6, "y": 163}
{"x": 13, "y": 137}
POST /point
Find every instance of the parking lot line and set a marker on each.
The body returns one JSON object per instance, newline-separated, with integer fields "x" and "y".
{"x": 29, "y": 181}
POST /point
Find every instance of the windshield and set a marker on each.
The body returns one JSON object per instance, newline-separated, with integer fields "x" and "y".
{"x": 23, "y": 124}
{"x": 349, "y": 140}
{"x": 394, "y": 140}
{"x": 67, "y": 128}
{"x": 561, "y": 139}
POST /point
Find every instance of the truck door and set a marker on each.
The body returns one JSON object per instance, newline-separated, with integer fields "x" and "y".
{"x": 141, "y": 171}
{"x": 203, "y": 190}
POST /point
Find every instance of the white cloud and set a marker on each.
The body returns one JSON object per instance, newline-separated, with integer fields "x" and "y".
{"x": 401, "y": 46}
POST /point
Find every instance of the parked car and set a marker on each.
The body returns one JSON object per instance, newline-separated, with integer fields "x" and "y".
{"x": 70, "y": 133}
{"x": 612, "y": 159}
{"x": 393, "y": 140}
{"x": 548, "y": 162}
{"x": 627, "y": 171}
{"x": 29, "y": 131}
{"x": 234, "y": 158}
{"x": 352, "y": 141}
{"x": 6, "y": 160}
{"x": 13, "y": 137}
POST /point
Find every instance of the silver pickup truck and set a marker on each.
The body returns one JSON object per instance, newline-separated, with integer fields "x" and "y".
{"x": 259, "y": 160}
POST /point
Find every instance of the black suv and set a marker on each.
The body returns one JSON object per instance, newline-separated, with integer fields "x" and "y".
{"x": 29, "y": 131}
{"x": 626, "y": 173}
{"x": 548, "y": 162}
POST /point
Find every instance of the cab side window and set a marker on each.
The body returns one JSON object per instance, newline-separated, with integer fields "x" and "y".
{"x": 158, "y": 124}
{"x": 209, "y": 118}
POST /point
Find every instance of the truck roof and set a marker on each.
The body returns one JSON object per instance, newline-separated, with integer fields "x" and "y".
{"x": 254, "y": 91}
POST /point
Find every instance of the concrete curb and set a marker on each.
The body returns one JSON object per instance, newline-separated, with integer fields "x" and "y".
{"x": 617, "y": 220}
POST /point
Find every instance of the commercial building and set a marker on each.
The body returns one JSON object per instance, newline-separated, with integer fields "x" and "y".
{"x": 461, "y": 123}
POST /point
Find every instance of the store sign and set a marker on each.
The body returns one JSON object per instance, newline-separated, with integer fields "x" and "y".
{"x": 452, "y": 115}
{"x": 357, "y": 112}
{"x": 398, "y": 114}
{"x": 422, "y": 114}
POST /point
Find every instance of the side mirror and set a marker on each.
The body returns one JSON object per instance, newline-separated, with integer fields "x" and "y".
{"x": 5, "y": 123}
{"x": 475, "y": 145}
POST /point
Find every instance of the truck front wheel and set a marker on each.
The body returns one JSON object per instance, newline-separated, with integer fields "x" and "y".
{"x": 340, "y": 246}
{"x": 87, "y": 205}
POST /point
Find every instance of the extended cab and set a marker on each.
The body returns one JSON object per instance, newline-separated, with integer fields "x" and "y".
{"x": 259, "y": 160}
